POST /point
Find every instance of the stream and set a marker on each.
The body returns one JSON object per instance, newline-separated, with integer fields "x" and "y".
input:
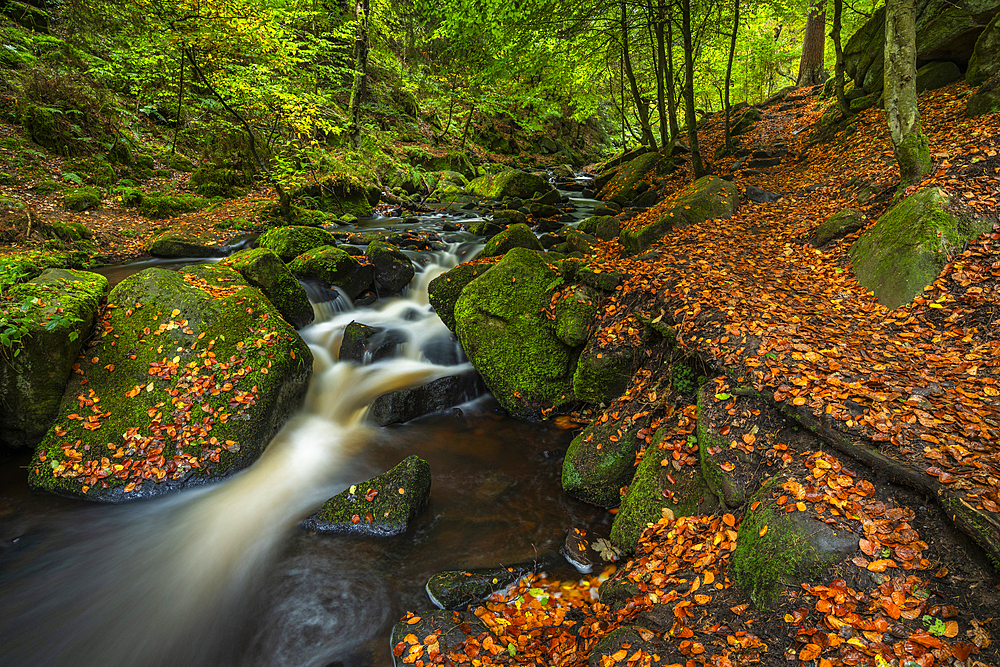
{"x": 223, "y": 575}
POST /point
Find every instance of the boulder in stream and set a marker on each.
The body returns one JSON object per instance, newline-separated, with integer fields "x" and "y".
{"x": 172, "y": 245}
{"x": 406, "y": 404}
{"x": 334, "y": 267}
{"x": 382, "y": 506}
{"x": 456, "y": 589}
{"x": 508, "y": 183}
{"x": 263, "y": 269}
{"x": 515, "y": 236}
{"x": 393, "y": 269}
{"x": 189, "y": 378}
{"x": 365, "y": 345}
{"x": 291, "y": 241}
{"x": 58, "y": 309}
{"x": 443, "y": 291}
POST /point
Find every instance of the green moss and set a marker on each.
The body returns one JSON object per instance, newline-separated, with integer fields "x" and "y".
{"x": 263, "y": 269}
{"x": 596, "y": 467}
{"x": 515, "y": 236}
{"x": 909, "y": 245}
{"x": 718, "y": 481}
{"x": 334, "y": 267}
{"x": 179, "y": 244}
{"x": 157, "y": 204}
{"x": 508, "y": 183}
{"x": 216, "y": 181}
{"x": 291, "y": 241}
{"x": 443, "y": 291}
{"x": 93, "y": 170}
{"x": 81, "y": 199}
{"x": 602, "y": 374}
{"x": 626, "y": 179}
{"x": 575, "y": 312}
{"x": 211, "y": 331}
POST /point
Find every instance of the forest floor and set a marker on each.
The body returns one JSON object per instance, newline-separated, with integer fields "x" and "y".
{"x": 903, "y": 405}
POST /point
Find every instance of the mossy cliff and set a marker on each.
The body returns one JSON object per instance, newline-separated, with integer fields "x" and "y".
{"x": 187, "y": 380}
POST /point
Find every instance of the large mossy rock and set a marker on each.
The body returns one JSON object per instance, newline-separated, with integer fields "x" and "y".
{"x": 290, "y": 242}
{"x": 189, "y": 379}
{"x": 443, "y": 291}
{"x": 603, "y": 372}
{"x": 708, "y": 197}
{"x": 986, "y": 99}
{"x": 334, "y": 267}
{"x": 658, "y": 486}
{"x": 175, "y": 245}
{"x": 837, "y": 226}
{"x": 604, "y": 227}
{"x": 622, "y": 186}
{"x": 910, "y": 244}
{"x": 515, "y": 236}
{"x": 393, "y": 269}
{"x": 508, "y": 183}
{"x": 937, "y": 74}
{"x": 746, "y": 121}
{"x": 985, "y": 60}
{"x": 339, "y": 198}
{"x": 33, "y": 381}
{"x": 264, "y": 270}
{"x": 601, "y": 460}
{"x": 502, "y": 328}
{"x": 382, "y": 506}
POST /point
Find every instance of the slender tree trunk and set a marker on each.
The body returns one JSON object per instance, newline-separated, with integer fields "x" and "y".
{"x": 813, "y": 46}
{"x": 671, "y": 93}
{"x": 359, "y": 89}
{"x": 641, "y": 108}
{"x": 902, "y": 114}
{"x": 180, "y": 107}
{"x": 468, "y": 122}
{"x": 729, "y": 74}
{"x": 689, "y": 114}
{"x": 661, "y": 74}
{"x": 838, "y": 71}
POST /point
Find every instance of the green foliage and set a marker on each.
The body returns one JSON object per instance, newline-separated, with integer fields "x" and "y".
{"x": 17, "y": 318}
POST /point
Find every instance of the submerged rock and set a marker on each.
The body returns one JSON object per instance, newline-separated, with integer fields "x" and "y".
{"x": 190, "y": 377}
{"x": 32, "y": 381}
{"x": 263, "y": 269}
{"x": 455, "y": 589}
{"x": 382, "y": 506}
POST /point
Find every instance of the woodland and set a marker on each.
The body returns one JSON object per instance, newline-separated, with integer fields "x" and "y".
{"x": 738, "y": 259}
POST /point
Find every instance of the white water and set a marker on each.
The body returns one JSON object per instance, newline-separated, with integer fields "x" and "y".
{"x": 165, "y": 582}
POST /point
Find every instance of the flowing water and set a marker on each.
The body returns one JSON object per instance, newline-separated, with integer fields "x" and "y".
{"x": 224, "y": 575}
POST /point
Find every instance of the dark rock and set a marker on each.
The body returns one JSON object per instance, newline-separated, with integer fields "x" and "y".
{"x": 985, "y": 60}
{"x": 760, "y": 196}
{"x": 379, "y": 507}
{"x": 450, "y": 629}
{"x": 764, "y": 163}
{"x": 456, "y": 589}
{"x": 937, "y": 74}
{"x": 406, "y": 404}
{"x": 365, "y": 345}
{"x": 486, "y": 228}
{"x": 603, "y": 227}
{"x": 178, "y": 244}
{"x": 334, "y": 267}
{"x": 393, "y": 269}
{"x": 645, "y": 200}
{"x": 837, "y": 226}
{"x": 509, "y": 217}
{"x": 539, "y": 210}
{"x": 986, "y": 99}
{"x": 585, "y": 551}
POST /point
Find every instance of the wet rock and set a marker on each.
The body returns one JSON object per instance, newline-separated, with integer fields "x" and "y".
{"x": 659, "y": 490}
{"x": 32, "y": 383}
{"x": 603, "y": 227}
{"x": 382, "y": 506}
{"x": 448, "y": 629}
{"x": 393, "y": 269}
{"x": 760, "y": 196}
{"x": 406, "y": 404}
{"x": 179, "y": 317}
{"x": 708, "y": 197}
{"x": 443, "y": 291}
{"x": 340, "y": 198}
{"x": 909, "y": 245}
{"x": 837, "y": 226}
{"x": 585, "y": 551}
{"x": 263, "y": 269}
{"x": 290, "y": 242}
{"x": 548, "y": 198}
{"x": 176, "y": 244}
{"x": 334, "y": 267}
{"x": 539, "y": 210}
{"x": 515, "y": 236}
{"x": 365, "y": 345}
{"x": 486, "y": 228}
{"x": 509, "y": 217}
{"x": 455, "y": 589}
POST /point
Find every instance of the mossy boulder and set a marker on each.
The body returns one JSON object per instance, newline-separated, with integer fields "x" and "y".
{"x": 658, "y": 486}
{"x": 393, "y": 269}
{"x": 837, "y": 226}
{"x": 515, "y": 236}
{"x": 602, "y": 373}
{"x": 180, "y": 244}
{"x": 707, "y": 198}
{"x": 485, "y": 228}
{"x": 34, "y": 371}
{"x": 508, "y": 183}
{"x": 746, "y": 122}
{"x": 575, "y": 310}
{"x": 334, "y": 267}
{"x": 443, "y": 291}
{"x": 909, "y": 245}
{"x": 937, "y": 74}
{"x": 604, "y": 227}
{"x": 502, "y": 328}
{"x": 92, "y": 170}
{"x": 218, "y": 181}
{"x": 776, "y": 548}
{"x": 157, "y": 204}
{"x": 263, "y": 269}
{"x": 509, "y": 217}
{"x": 985, "y": 60}
{"x": 623, "y": 185}
{"x": 457, "y": 589}
{"x": 986, "y": 99}
{"x": 382, "y": 506}
{"x": 290, "y": 242}
{"x": 26, "y": 15}
{"x": 865, "y": 47}
{"x": 81, "y": 199}
{"x": 580, "y": 271}
{"x": 189, "y": 378}
{"x": 340, "y": 198}
{"x": 601, "y": 459}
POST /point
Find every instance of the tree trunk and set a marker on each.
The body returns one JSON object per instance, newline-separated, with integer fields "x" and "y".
{"x": 689, "y": 115}
{"x": 359, "y": 89}
{"x": 813, "y": 46}
{"x": 641, "y": 108}
{"x": 669, "y": 74}
{"x": 729, "y": 75}
{"x": 838, "y": 72}
{"x": 661, "y": 54}
{"x": 902, "y": 114}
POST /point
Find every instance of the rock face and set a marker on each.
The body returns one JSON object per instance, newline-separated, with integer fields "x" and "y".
{"x": 985, "y": 60}
{"x": 443, "y": 291}
{"x": 909, "y": 245}
{"x": 334, "y": 267}
{"x": 189, "y": 379}
{"x": 508, "y": 183}
{"x": 290, "y": 242}
{"x": 501, "y": 326}
{"x": 173, "y": 244}
{"x": 406, "y": 404}
{"x": 837, "y": 226}
{"x": 986, "y": 99}
{"x": 937, "y": 74}
{"x": 264, "y": 270}
{"x": 708, "y": 197}
{"x": 623, "y": 185}
{"x": 515, "y": 236}
{"x": 32, "y": 383}
{"x": 393, "y": 269}
{"x": 382, "y": 506}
